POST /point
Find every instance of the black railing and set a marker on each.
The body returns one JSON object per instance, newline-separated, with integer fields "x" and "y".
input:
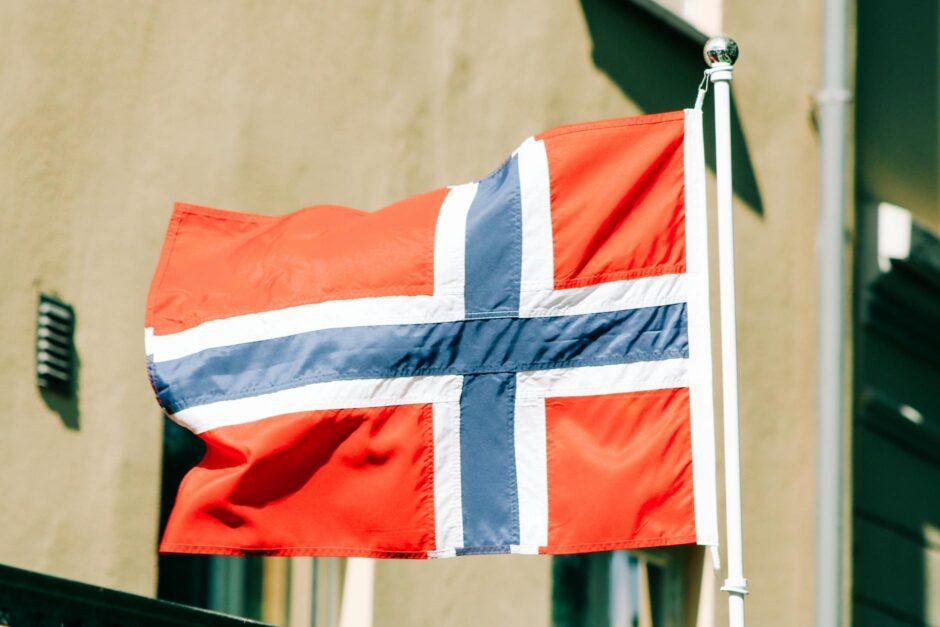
{"x": 29, "y": 599}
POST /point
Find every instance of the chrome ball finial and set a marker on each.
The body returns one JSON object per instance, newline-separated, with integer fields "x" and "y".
{"x": 720, "y": 51}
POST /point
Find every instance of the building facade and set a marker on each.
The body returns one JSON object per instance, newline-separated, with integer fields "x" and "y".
{"x": 113, "y": 110}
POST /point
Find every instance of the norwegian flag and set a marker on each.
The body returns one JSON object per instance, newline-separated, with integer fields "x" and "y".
{"x": 520, "y": 364}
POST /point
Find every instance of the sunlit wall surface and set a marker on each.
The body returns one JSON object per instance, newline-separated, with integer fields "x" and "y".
{"x": 112, "y": 110}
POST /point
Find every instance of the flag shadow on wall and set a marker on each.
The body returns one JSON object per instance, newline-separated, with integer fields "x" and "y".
{"x": 658, "y": 68}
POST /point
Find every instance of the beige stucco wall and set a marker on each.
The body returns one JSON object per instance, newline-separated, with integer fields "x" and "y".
{"x": 110, "y": 111}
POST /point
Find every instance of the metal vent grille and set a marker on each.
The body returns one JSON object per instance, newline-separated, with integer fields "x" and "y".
{"x": 55, "y": 349}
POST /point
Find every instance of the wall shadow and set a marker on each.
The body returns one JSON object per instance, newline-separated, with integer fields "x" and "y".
{"x": 65, "y": 407}
{"x": 658, "y": 68}
{"x": 896, "y": 348}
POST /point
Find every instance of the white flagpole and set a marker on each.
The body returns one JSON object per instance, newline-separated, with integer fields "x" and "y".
{"x": 720, "y": 55}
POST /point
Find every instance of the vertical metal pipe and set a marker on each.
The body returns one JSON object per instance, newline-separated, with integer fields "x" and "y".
{"x": 832, "y": 104}
{"x": 720, "y": 54}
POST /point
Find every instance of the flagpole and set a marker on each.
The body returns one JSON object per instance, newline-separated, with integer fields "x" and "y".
{"x": 720, "y": 55}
